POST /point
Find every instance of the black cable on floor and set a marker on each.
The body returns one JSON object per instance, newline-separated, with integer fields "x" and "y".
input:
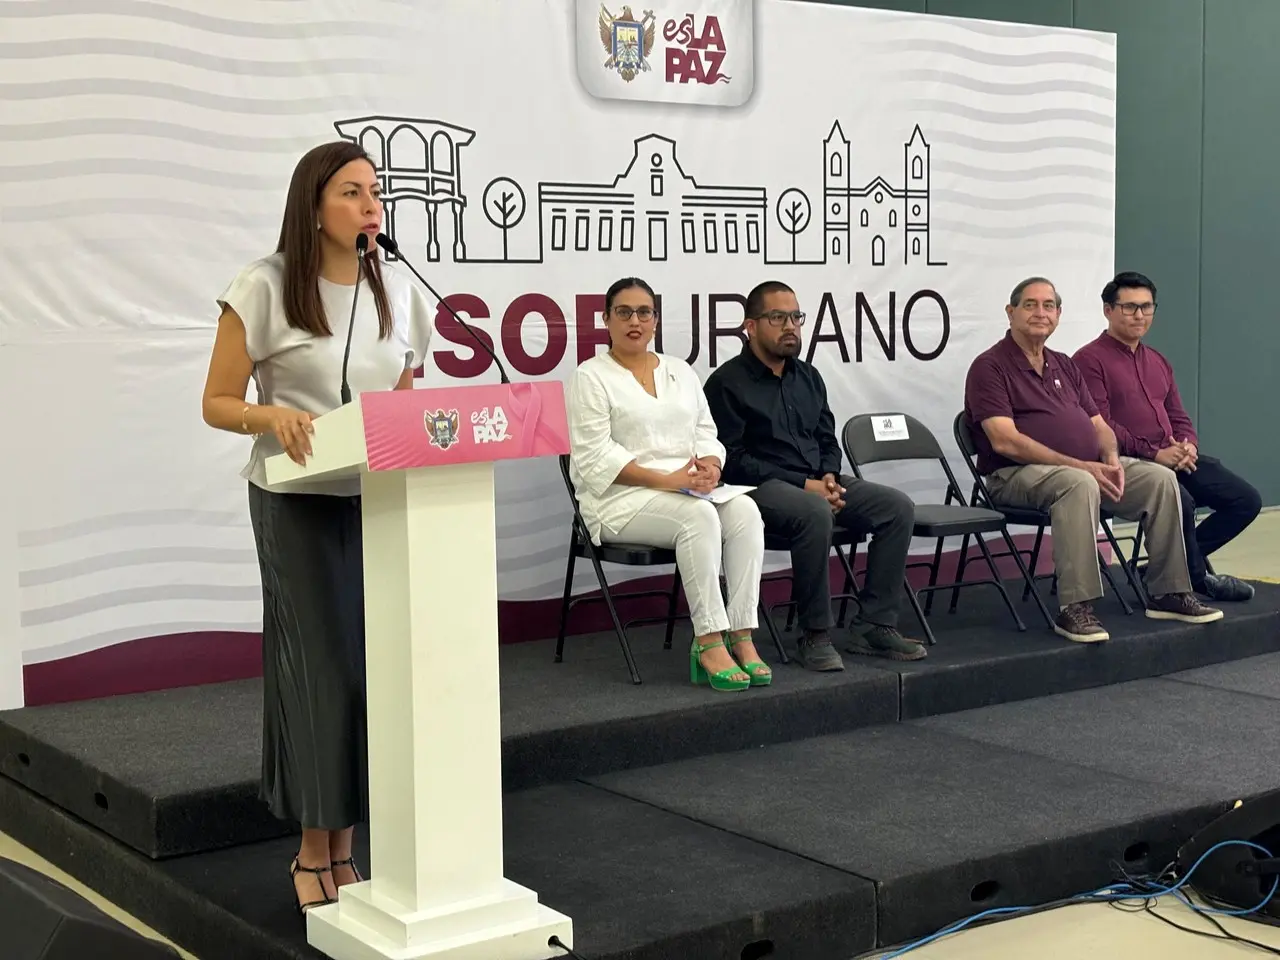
{"x": 568, "y": 950}
{"x": 1135, "y": 892}
{"x": 1149, "y": 905}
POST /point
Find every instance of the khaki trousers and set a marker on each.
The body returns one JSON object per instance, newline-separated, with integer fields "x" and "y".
{"x": 1073, "y": 500}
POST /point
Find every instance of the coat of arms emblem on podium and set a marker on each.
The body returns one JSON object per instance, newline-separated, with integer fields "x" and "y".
{"x": 443, "y": 428}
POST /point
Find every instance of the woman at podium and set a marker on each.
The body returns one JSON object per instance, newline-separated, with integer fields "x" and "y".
{"x": 284, "y": 324}
{"x": 645, "y": 464}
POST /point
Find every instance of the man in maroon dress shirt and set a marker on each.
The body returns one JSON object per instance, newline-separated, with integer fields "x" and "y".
{"x": 1134, "y": 389}
{"x": 1042, "y": 444}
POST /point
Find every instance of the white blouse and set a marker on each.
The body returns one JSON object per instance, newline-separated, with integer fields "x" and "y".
{"x": 295, "y": 368}
{"x": 613, "y": 420}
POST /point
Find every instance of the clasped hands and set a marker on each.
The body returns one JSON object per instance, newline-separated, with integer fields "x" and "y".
{"x": 1180, "y": 455}
{"x": 829, "y": 489}
{"x": 1110, "y": 476}
{"x": 700, "y": 474}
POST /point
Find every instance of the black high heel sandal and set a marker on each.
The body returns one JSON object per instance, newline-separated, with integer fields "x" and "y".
{"x": 349, "y": 862}
{"x": 294, "y": 870}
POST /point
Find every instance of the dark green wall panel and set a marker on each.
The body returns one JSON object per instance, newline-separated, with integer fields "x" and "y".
{"x": 1197, "y": 200}
{"x": 1239, "y": 334}
{"x": 1159, "y": 114}
{"x": 1053, "y": 13}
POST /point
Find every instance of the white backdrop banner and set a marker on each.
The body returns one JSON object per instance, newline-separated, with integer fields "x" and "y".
{"x": 902, "y": 172}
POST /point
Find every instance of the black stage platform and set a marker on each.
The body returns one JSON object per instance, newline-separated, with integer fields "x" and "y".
{"x": 817, "y": 818}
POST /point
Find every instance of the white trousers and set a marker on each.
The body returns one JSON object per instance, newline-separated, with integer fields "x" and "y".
{"x": 702, "y": 533}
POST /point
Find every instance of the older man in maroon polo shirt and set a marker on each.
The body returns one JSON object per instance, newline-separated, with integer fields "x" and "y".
{"x": 1042, "y": 444}
{"x": 1136, "y": 394}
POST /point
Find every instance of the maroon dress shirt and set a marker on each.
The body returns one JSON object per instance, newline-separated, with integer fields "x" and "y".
{"x": 1136, "y": 394}
{"x": 1053, "y": 408}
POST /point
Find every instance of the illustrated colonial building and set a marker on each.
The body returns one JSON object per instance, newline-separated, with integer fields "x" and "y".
{"x": 653, "y": 207}
{"x": 876, "y": 222}
{"x": 418, "y": 161}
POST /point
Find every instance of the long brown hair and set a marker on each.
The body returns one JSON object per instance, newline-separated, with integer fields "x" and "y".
{"x": 300, "y": 241}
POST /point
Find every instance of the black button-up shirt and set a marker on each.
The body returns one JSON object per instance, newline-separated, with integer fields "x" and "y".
{"x": 774, "y": 428}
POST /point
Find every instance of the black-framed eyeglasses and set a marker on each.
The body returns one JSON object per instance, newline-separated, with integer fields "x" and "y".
{"x": 1129, "y": 309}
{"x": 643, "y": 314}
{"x": 779, "y": 318}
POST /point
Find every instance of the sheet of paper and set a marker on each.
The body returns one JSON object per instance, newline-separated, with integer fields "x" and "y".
{"x": 721, "y": 494}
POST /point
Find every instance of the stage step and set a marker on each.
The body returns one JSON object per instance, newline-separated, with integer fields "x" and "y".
{"x": 176, "y": 771}
{"x": 820, "y": 849}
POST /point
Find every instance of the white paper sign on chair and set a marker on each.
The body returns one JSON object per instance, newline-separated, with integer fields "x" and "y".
{"x": 889, "y": 428}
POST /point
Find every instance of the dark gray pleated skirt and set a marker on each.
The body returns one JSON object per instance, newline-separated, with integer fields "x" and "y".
{"x": 314, "y": 742}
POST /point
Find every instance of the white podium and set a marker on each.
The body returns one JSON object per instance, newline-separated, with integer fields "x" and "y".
{"x": 425, "y": 461}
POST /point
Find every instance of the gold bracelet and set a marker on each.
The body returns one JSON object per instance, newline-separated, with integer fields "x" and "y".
{"x": 244, "y": 426}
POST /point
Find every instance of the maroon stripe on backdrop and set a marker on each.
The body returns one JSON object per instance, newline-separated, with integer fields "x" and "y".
{"x": 149, "y": 663}
{"x": 180, "y": 660}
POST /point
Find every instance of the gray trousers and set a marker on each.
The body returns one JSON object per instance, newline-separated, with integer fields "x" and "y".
{"x": 1073, "y": 500}
{"x": 886, "y": 514}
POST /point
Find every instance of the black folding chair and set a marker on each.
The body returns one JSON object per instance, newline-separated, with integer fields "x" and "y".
{"x": 840, "y": 540}
{"x": 934, "y": 520}
{"x": 626, "y": 554}
{"x": 1039, "y": 520}
{"x": 1137, "y": 558}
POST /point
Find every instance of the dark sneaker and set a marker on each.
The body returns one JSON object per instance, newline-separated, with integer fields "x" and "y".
{"x": 880, "y": 641}
{"x": 1219, "y": 586}
{"x": 816, "y": 653}
{"x": 1078, "y": 622}
{"x": 1182, "y": 606}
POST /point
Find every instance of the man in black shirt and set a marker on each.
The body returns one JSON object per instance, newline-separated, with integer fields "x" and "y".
{"x": 771, "y": 411}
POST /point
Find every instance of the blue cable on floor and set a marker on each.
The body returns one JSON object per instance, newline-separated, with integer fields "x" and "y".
{"x": 1115, "y": 891}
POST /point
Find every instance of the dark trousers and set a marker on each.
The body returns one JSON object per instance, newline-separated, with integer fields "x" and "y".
{"x": 806, "y": 519}
{"x": 1234, "y": 503}
{"x": 314, "y": 737}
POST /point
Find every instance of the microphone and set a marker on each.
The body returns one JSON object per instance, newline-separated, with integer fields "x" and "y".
{"x": 362, "y": 244}
{"x": 393, "y": 248}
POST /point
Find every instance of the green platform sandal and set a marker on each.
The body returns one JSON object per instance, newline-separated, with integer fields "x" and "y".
{"x": 757, "y": 670}
{"x": 721, "y": 679}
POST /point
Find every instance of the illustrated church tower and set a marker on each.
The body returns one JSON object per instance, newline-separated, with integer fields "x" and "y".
{"x": 837, "y": 219}
{"x": 916, "y": 199}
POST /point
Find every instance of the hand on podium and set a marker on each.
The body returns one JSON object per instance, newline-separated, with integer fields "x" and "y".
{"x": 293, "y": 429}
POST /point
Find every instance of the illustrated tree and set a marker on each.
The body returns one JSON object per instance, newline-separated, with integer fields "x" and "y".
{"x": 504, "y": 206}
{"x": 794, "y": 213}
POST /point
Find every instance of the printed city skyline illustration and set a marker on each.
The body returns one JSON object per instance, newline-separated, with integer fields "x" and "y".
{"x": 652, "y": 208}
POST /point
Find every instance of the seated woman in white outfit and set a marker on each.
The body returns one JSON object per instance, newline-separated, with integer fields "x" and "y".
{"x": 640, "y": 433}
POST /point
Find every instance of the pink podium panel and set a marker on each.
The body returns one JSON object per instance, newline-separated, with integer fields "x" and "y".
{"x": 434, "y": 427}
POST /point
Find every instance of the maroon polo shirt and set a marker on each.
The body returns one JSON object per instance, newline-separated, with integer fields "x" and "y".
{"x": 1054, "y": 408}
{"x": 1136, "y": 394}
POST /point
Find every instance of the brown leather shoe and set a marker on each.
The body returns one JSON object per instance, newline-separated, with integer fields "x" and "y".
{"x": 1182, "y": 606}
{"x": 1078, "y": 622}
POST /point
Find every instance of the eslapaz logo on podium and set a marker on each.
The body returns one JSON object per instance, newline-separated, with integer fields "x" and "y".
{"x": 489, "y": 426}
{"x": 404, "y": 429}
{"x": 700, "y": 53}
